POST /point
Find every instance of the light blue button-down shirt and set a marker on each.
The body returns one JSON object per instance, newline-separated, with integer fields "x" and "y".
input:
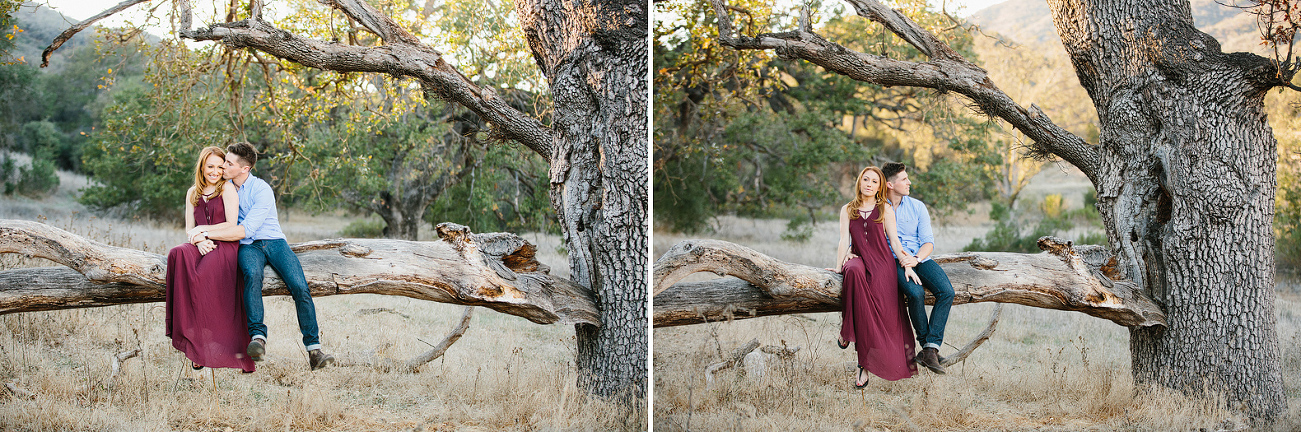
{"x": 912, "y": 221}
{"x": 257, "y": 211}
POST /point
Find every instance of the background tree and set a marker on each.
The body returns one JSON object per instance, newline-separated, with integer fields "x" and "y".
{"x": 1178, "y": 118}
{"x": 366, "y": 142}
{"x": 753, "y": 135}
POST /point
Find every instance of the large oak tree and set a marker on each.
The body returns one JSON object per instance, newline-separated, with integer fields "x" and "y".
{"x": 1184, "y": 168}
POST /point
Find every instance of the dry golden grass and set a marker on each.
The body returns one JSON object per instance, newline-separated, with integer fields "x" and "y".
{"x": 1041, "y": 370}
{"x": 505, "y": 374}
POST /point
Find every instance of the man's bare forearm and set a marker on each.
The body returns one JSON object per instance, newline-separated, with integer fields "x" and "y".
{"x": 229, "y": 233}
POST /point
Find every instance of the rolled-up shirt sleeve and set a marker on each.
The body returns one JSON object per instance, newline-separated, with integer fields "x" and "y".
{"x": 263, "y": 200}
{"x": 924, "y": 233}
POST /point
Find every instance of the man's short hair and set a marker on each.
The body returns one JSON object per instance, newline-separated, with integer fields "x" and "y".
{"x": 245, "y": 151}
{"x": 891, "y": 169}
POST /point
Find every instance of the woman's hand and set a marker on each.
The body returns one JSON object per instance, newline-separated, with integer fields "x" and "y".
{"x": 841, "y": 267}
{"x": 205, "y": 246}
{"x": 911, "y": 275}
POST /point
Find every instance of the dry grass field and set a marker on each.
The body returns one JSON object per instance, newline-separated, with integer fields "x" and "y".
{"x": 504, "y": 374}
{"x": 1042, "y": 370}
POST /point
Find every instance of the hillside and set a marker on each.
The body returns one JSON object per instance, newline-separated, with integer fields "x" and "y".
{"x": 1030, "y": 22}
{"x": 40, "y": 26}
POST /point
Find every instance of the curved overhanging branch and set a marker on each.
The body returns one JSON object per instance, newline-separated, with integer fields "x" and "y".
{"x": 398, "y": 58}
{"x": 402, "y": 55}
{"x": 495, "y": 270}
{"x": 1067, "y": 278}
{"x": 946, "y": 71}
{"x": 78, "y": 27}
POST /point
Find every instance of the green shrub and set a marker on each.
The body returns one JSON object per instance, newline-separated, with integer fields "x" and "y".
{"x": 363, "y": 228}
{"x": 35, "y": 180}
{"x": 1010, "y": 233}
{"x": 798, "y": 229}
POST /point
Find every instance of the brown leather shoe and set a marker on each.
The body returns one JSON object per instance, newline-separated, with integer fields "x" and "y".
{"x": 930, "y": 357}
{"x": 318, "y": 359}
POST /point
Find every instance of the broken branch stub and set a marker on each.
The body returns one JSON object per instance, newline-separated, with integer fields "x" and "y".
{"x": 761, "y": 285}
{"x": 460, "y": 268}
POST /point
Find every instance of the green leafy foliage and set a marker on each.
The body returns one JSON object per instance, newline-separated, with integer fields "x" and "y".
{"x": 367, "y": 143}
{"x": 36, "y": 179}
{"x": 741, "y": 132}
{"x": 143, "y": 154}
{"x": 1285, "y": 117}
{"x": 364, "y": 228}
{"x": 1020, "y": 231}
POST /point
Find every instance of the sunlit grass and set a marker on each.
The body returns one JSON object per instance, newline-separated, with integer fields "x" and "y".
{"x": 1041, "y": 370}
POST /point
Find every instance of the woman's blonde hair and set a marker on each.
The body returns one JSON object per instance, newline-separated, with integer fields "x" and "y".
{"x": 859, "y": 198}
{"x": 199, "y": 181}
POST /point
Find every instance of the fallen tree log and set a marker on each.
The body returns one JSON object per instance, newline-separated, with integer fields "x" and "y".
{"x": 496, "y": 270}
{"x": 1064, "y": 277}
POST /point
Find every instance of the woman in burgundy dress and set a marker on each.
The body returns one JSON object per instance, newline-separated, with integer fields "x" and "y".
{"x": 873, "y": 318}
{"x": 205, "y": 308}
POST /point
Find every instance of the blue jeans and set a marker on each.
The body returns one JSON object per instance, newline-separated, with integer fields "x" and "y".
{"x": 253, "y": 259}
{"x": 930, "y": 333}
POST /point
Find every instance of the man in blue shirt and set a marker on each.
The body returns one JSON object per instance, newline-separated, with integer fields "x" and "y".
{"x": 914, "y": 226}
{"x": 261, "y": 242}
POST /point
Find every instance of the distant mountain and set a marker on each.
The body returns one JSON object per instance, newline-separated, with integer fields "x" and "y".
{"x": 40, "y": 26}
{"x": 1029, "y": 22}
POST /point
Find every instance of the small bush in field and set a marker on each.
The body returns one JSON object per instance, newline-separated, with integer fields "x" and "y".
{"x": 364, "y": 229}
{"x": 35, "y": 180}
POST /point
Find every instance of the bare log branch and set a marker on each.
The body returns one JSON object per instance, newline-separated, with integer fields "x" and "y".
{"x": 975, "y": 343}
{"x": 19, "y": 392}
{"x": 187, "y": 14}
{"x": 77, "y": 28}
{"x": 905, "y": 28}
{"x": 454, "y": 270}
{"x": 731, "y": 360}
{"x": 766, "y": 286}
{"x": 121, "y": 357}
{"x": 373, "y": 20}
{"x": 946, "y": 71}
{"x": 438, "y": 350}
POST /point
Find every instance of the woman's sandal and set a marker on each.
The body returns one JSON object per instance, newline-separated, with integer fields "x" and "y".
{"x": 195, "y": 366}
{"x": 861, "y": 371}
{"x": 840, "y": 342}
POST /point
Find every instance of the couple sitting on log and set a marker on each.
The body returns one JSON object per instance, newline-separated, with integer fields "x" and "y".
{"x": 214, "y": 312}
{"x": 885, "y": 247}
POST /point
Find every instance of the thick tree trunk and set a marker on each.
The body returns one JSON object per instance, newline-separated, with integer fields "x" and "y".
{"x": 594, "y": 56}
{"x": 1185, "y": 183}
{"x": 401, "y": 218}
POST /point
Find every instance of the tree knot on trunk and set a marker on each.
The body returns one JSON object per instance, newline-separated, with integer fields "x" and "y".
{"x": 456, "y": 235}
{"x": 355, "y": 250}
{"x": 1057, "y": 246}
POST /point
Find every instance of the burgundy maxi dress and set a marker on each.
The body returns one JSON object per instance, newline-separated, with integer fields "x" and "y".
{"x": 873, "y": 317}
{"x": 205, "y": 308}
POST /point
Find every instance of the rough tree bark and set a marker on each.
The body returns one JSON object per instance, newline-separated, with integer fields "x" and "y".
{"x": 594, "y": 55}
{"x": 1186, "y": 178}
{"x": 494, "y": 270}
{"x": 1185, "y": 172}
